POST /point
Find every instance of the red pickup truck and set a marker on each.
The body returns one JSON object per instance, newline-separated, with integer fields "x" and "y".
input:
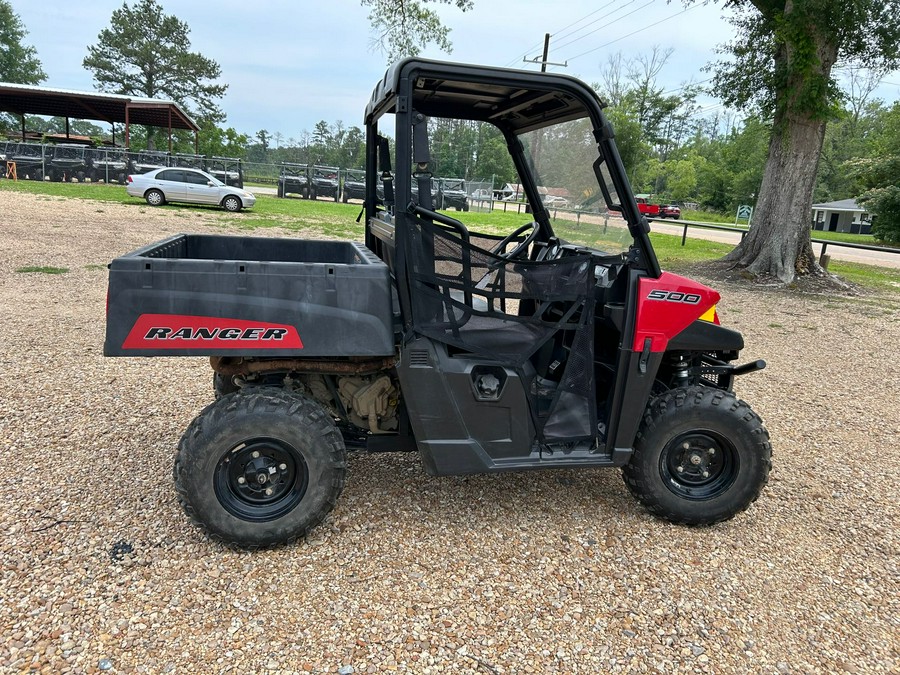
{"x": 647, "y": 209}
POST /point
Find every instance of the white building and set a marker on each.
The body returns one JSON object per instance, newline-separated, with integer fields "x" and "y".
{"x": 841, "y": 216}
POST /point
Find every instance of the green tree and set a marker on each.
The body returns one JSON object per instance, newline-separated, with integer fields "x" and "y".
{"x": 145, "y": 52}
{"x": 879, "y": 175}
{"x": 18, "y": 62}
{"x": 214, "y": 141}
{"x": 782, "y": 68}
{"x": 883, "y": 200}
{"x": 405, "y": 28}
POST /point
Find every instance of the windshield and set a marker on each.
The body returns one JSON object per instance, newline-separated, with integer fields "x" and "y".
{"x": 576, "y": 187}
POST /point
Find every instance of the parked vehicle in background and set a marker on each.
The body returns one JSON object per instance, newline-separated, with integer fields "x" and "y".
{"x": 646, "y": 208}
{"x": 226, "y": 169}
{"x": 452, "y": 194}
{"x": 554, "y": 202}
{"x": 294, "y": 179}
{"x": 324, "y": 182}
{"x": 29, "y": 159}
{"x": 148, "y": 160}
{"x": 69, "y": 161}
{"x": 109, "y": 165}
{"x": 354, "y": 186}
{"x": 191, "y": 186}
{"x": 670, "y": 211}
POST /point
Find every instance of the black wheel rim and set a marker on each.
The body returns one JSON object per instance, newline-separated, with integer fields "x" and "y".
{"x": 699, "y": 465}
{"x": 261, "y": 479}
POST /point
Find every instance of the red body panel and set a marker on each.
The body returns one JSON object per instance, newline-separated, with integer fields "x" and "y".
{"x": 666, "y": 306}
{"x": 176, "y": 331}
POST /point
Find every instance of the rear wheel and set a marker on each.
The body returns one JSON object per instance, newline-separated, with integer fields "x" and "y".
{"x": 701, "y": 456}
{"x": 155, "y": 198}
{"x": 260, "y": 467}
{"x": 232, "y": 203}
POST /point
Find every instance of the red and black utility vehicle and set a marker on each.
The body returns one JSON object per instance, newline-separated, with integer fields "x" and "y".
{"x": 483, "y": 351}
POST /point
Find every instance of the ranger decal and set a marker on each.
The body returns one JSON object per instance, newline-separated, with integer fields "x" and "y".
{"x": 176, "y": 331}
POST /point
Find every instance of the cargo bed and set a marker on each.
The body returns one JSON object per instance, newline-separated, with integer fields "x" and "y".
{"x": 195, "y": 295}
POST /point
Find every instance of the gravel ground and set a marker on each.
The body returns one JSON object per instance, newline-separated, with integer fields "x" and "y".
{"x": 541, "y": 572}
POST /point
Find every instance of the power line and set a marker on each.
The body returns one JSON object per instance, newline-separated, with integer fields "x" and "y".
{"x": 599, "y": 9}
{"x": 606, "y": 25}
{"x": 683, "y": 87}
{"x": 563, "y": 34}
{"x": 640, "y": 30}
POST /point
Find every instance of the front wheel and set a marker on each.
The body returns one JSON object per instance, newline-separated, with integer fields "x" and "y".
{"x": 701, "y": 456}
{"x": 232, "y": 203}
{"x": 260, "y": 467}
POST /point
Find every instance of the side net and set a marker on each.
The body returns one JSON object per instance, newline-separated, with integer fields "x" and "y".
{"x": 465, "y": 293}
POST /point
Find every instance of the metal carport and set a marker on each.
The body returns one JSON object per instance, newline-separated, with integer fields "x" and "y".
{"x": 85, "y": 105}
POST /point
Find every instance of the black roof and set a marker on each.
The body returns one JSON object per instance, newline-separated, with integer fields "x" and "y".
{"x": 25, "y": 99}
{"x": 518, "y": 100}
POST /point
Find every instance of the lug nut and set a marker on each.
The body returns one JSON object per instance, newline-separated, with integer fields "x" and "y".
{"x": 255, "y": 454}
{"x": 241, "y": 480}
{"x": 679, "y": 469}
{"x": 282, "y": 467}
{"x": 711, "y": 451}
{"x": 268, "y": 491}
{"x": 706, "y": 474}
{"x": 686, "y": 445}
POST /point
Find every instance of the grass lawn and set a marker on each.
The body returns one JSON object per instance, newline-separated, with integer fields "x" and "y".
{"x": 337, "y": 220}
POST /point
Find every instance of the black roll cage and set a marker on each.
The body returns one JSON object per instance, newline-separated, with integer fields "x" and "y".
{"x": 516, "y": 102}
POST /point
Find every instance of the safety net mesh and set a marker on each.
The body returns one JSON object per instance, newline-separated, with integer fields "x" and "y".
{"x": 465, "y": 293}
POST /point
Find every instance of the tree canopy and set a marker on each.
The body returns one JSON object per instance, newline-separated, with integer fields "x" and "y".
{"x": 405, "y": 28}
{"x": 18, "y": 62}
{"x": 145, "y": 52}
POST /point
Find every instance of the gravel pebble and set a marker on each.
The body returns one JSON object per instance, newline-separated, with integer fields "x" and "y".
{"x": 516, "y": 573}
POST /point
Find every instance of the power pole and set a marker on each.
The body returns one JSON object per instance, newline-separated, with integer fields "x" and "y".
{"x": 546, "y": 50}
{"x": 543, "y": 59}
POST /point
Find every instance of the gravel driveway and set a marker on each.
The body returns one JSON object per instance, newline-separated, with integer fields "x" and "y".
{"x": 540, "y": 572}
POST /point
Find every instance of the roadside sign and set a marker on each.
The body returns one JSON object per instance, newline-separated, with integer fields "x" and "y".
{"x": 744, "y": 212}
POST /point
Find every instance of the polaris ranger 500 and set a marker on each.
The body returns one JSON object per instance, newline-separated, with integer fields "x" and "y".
{"x": 484, "y": 351}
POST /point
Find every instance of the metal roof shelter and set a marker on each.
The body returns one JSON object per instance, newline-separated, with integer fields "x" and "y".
{"x": 88, "y": 105}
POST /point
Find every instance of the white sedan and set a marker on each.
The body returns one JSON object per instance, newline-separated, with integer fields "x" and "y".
{"x": 178, "y": 184}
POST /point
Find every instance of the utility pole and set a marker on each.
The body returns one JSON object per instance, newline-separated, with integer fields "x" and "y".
{"x": 543, "y": 59}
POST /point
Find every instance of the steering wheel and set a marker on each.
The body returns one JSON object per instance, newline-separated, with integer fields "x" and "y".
{"x": 521, "y": 246}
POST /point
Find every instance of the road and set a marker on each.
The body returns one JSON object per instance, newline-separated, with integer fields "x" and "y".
{"x": 882, "y": 259}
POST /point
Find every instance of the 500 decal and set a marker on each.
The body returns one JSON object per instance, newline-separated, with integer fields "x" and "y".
{"x": 674, "y": 296}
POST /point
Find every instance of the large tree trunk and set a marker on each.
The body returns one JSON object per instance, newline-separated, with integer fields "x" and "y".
{"x": 778, "y": 243}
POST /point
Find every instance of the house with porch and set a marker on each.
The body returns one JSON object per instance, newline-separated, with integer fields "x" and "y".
{"x": 841, "y": 216}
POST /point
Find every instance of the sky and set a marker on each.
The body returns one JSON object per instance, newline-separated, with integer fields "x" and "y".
{"x": 290, "y": 63}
